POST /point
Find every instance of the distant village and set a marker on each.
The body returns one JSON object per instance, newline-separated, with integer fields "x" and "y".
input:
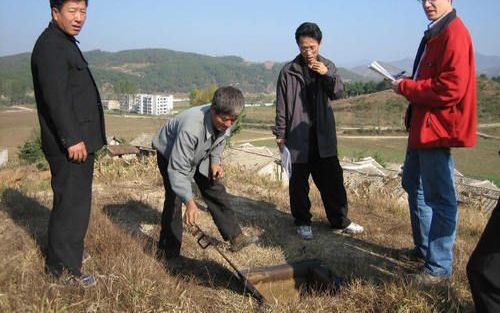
{"x": 152, "y": 104}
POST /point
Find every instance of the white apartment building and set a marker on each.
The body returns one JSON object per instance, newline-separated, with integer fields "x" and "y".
{"x": 153, "y": 104}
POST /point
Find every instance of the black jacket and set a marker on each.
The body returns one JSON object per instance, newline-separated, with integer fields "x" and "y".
{"x": 68, "y": 102}
{"x": 294, "y": 110}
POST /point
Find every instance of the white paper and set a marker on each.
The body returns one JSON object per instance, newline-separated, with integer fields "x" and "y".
{"x": 375, "y": 66}
{"x": 286, "y": 161}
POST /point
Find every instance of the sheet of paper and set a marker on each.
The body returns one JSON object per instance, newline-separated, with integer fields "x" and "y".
{"x": 375, "y": 66}
{"x": 286, "y": 161}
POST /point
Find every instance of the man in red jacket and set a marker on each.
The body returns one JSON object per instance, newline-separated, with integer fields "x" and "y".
{"x": 441, "y": 115}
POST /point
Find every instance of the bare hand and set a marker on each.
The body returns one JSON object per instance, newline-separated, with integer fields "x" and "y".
{"x": 217, "y": 171}
{"x": 280, "y": 143}
{"x": 318, "y": 67}
{"x": 78, "y": 152}
{"x": 395, "y": 86}
{"x": 191, "y": 212}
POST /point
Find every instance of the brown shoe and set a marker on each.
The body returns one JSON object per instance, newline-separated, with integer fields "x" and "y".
{"x": 428, "y": 280}
{"x": 241, "y": 241}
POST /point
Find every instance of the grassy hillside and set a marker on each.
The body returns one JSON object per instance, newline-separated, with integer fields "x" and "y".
{"x": 386, "y": 109}
{"x": 124, "y": 230}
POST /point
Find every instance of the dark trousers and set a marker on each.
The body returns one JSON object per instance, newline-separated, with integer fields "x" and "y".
{"x": 217, "y": 199}
{"x": 483, "y": 269}
{"x": 69, "y": 218}
{"x": 328, "y": 176}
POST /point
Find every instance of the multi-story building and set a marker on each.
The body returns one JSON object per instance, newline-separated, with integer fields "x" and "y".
{"x": 153, "y": 104}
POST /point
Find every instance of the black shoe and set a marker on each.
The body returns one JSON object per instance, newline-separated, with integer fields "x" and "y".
{"x": 413, "y": 255}
{"x": 83, "y": 281}
{"x": 241, "y": 241}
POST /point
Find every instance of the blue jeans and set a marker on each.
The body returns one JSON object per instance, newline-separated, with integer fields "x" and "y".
{"x": 428, "y": 180}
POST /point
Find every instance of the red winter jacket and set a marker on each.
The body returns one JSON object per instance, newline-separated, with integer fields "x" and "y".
{"x": 443, "y": 95}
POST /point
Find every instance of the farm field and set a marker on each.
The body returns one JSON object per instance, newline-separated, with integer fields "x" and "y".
{"x": 482, "y": 161}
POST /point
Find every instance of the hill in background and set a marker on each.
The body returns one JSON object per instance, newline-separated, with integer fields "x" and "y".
{"x": 156, "y": 70}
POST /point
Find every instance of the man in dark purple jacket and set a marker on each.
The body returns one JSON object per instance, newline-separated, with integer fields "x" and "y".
{"x": 305, "y": 124}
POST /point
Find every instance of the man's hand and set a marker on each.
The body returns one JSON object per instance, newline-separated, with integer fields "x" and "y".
{"x": 395, "y": 86}
{"x": 78, "y": 153}
{"x": 191, "y": 212}
{"x": 217, "y": 171}
{"x": 280, "y": 143}
{"x": 318, "y": 67}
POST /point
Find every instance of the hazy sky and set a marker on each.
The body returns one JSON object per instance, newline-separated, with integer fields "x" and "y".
{"x": 257, "y": 30}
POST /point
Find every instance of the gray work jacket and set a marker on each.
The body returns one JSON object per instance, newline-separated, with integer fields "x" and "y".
{"x": 189, "y": 143}
{"x": 292, "y": 110}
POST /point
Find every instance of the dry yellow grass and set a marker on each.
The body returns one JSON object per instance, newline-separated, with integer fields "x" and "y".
{"x": 124, "y": 229}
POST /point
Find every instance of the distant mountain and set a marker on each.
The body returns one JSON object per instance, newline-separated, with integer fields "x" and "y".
{"x": 488, "y": 65}
{"x": 159, "y": 70}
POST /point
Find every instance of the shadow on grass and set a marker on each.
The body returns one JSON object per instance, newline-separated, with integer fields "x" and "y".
{"x": 347, "y": 256}
{"x": 27, "y": 213}
{"x": 132, "y": 214}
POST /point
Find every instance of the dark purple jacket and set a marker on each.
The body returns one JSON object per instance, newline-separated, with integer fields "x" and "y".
{"x": 292, "y": 110}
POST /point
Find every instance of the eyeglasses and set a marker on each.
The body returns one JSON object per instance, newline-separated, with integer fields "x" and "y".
{"x": 308, "y": 48}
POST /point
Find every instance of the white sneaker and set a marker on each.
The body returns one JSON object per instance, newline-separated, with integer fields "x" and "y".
{"x": 352, "y": 229}
{"x": 305, "y": 232}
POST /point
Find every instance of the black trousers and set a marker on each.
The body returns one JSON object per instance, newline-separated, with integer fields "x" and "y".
{"x": 69, "y": 218}
{"x": 328, "y": 176}
{"x": 483, "y": 269}
{"x": 213, "y": 192}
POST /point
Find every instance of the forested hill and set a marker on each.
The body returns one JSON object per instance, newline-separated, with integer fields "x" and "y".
{"x": 156, "y": 70}
{"x": 161, "y": 70}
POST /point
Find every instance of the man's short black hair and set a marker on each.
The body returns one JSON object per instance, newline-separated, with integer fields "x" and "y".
{"x": 308, "y": 29}
{"x": 228, "y": 101}
{"x": 58, "y": 4}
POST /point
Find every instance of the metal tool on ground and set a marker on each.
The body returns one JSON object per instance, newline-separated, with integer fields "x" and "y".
{"x": 279, "y": 282}
{"x": 204, "y": 241}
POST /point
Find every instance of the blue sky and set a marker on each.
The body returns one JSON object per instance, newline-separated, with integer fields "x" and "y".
{"x": 256, "y": 30}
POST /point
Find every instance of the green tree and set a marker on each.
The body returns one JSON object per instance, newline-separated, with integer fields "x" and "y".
{"x": 125, "y": 87}
{"x": 203, "y": 95}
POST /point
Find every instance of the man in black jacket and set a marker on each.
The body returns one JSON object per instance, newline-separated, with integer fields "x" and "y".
{"x": 305, "y": 125}
{"x": 72, "y": 129}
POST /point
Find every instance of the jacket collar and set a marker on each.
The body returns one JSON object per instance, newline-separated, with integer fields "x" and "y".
{"x": 433, "y": 30}
{"x": 298, "y": 63}
{"x": 438, "y": 27}
{"x": 53, "y": 27}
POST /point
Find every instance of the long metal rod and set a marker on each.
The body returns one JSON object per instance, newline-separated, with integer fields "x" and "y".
{"x": 204, "y": 241}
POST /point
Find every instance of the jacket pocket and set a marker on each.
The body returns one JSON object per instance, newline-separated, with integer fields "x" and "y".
{"x": 435, "y": 126}
{"x": 439, "y": 127}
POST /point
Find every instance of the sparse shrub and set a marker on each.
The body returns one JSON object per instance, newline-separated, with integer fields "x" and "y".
{"x": 30, "y": 152}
